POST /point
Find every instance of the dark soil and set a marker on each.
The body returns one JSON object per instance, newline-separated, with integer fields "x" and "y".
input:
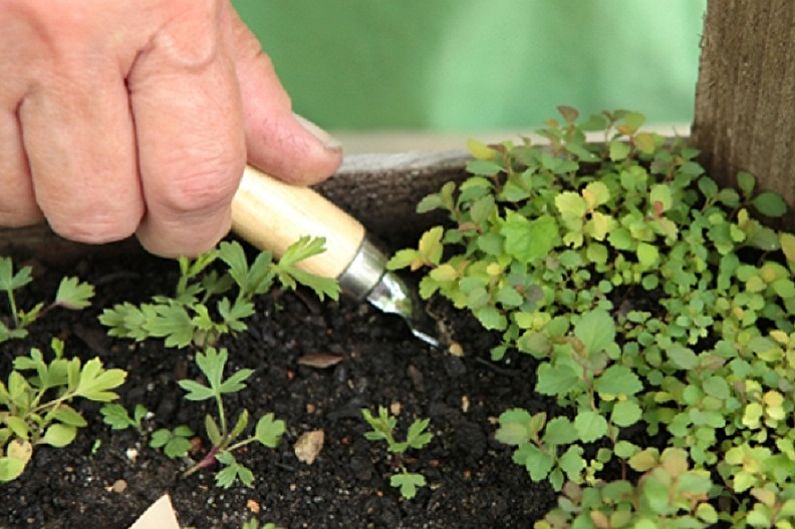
{"x": 472, "y": 481}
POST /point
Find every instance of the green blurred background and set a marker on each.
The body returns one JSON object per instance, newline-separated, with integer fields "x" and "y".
{"x": 447, "y": 65}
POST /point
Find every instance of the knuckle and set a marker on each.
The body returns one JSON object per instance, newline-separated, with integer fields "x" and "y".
{"x": 203, "y": 186}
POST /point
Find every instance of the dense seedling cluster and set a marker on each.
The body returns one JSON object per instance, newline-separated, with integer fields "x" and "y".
{"x": 188, "y": 317}
{"x": 36, "y": 403}
{"x": 659, "y": 309}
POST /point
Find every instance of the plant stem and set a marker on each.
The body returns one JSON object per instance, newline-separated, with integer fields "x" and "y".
{"x": 205, "y": 462}
{"x": 241, "y": 444}
{"x": 13, "y": 304}
{"x": 221, "y": 415}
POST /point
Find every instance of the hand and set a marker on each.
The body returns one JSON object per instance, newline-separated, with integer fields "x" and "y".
{"x": 138, "y": 116}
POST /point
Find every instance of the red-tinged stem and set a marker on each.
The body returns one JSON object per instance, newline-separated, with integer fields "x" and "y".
{"x": 206, "y": 461}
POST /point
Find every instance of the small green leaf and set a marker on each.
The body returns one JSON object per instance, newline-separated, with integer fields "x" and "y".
{"x": 625, "y": 413}
{"x": 59, "y": 435}
{"x": 96, "y": 382}
{"x": 618, "y": 380}
{"x": 572, "y": 462}
{"x": 514, "y": 427}
{"x": 770, "y": 204}
{"x": 269, "y": 431}
{"x": 596, "y": 329}
{"x": 590, "y": 426}
{"x": 619, "y": 150}
{"x": 408, "y": 483}
{"x": 72, "y": 294}
{"x": 527, "y": 240}
{"x": 195, "y": 390}
{"x": 10, "y": 468}
{"x": 560, "y": 431}
{"x": 746, "y": 182}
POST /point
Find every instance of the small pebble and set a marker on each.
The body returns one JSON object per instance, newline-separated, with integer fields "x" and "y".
{"x": 118, "y": 486}
{"x": 455, "y": 349}
{"x": 253, "y": 506}
{"x": 394, "y": 408}
{"x": 464, "y": 403}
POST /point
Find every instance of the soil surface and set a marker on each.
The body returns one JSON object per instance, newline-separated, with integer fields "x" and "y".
{"x": 472, "y": 481}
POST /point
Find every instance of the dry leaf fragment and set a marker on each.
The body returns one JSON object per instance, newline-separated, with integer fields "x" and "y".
{"x": 319, "y": 360}
{"x": 309, "y": 445}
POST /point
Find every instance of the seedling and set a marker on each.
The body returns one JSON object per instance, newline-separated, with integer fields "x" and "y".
{"x": 254, "y": 524}
{"x": 118, "y": 418}
{"x": 35, "y": 403}
{"x": 383, "y": 429}
{"x": 267, "y": 432}
{"x": 72, "y": 294}
{"x": 189, "y": 317}
{"x": 175, "y": 443}
{"x": 652, "y": 300}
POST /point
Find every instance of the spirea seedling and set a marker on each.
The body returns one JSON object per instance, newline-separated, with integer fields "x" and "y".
{"x": 657, "y": 306}
{"x": 36, "y": 403}
{"x": 72, "y": 294}
{"x": 383, "y": 429}
{"x": 268, "y": 430}
{"x": 208, "y": 304}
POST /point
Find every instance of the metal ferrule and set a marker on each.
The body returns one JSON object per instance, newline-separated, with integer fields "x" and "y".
{"x": 364, "y": 272}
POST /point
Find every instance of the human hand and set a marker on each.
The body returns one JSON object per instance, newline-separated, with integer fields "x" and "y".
{"x": 138, "y": 116}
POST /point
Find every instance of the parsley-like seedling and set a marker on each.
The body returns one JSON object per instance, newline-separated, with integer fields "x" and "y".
{"x": 383, "y": 429}
{"x": 118, "y": 418}
{"x": 268, "y": 430}
{"x": 72, "y": 294}
{"x": 658, "y": 309}
{"x": 191, "y": 317}
{"x": 35, "y": 403}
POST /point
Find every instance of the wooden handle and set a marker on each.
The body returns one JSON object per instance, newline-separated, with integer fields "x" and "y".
{"x": 272, "y": 215}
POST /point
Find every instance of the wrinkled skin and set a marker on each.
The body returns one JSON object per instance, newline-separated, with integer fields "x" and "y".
{"x": 138, "y": 116}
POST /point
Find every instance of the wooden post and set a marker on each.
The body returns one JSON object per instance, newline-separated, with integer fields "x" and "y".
{"x": 745, "y": 97}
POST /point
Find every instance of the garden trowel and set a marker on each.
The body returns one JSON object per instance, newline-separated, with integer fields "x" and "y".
{"x": 271, "y": 215}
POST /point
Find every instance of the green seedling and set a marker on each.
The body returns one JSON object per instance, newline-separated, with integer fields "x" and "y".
{"x": 383, "y": 429}
{"x": 656, "y": 306}
{"x": 118, "y": 418}
{"x": 254, "y": 524}
{"x": 175, "y": 443}
{"x": 36, "y": 403}
{"x": 268, "y": 430}
{"x": 72, "y": 294}
{"x": 208, "y": 304}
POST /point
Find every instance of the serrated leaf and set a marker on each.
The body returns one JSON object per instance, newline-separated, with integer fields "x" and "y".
{"x": 234, "y": 383}
{"x": 618, "y": 380}
{"x": 430, "y": 246}
{"x": 408, "y": 483}
{"x": 596, "y": 329}
{"x": 572, "y": 462}
{"x": 625, "y": 413}
{"x": 556, "y": 380}
{"x": 619, "y": 150}
{"x": 196, "y": 391}
{"x": 10, "y": 281}
{"x": 73, "y": 294}
{"x": 417, "y": 437}
{"x": 480, "y": 151}
{"x": 560, "y": 431}
{"x": 528, "y": 240}
{"x": 571, "y": 205}
{"x": 96, "y": 382}
{"x": 590, "y": 426}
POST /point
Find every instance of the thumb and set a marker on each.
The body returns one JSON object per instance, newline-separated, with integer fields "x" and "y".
{"x": 278, "y": 141}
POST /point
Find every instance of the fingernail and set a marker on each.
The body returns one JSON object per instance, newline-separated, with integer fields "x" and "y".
{"x": 328, "y": 141}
